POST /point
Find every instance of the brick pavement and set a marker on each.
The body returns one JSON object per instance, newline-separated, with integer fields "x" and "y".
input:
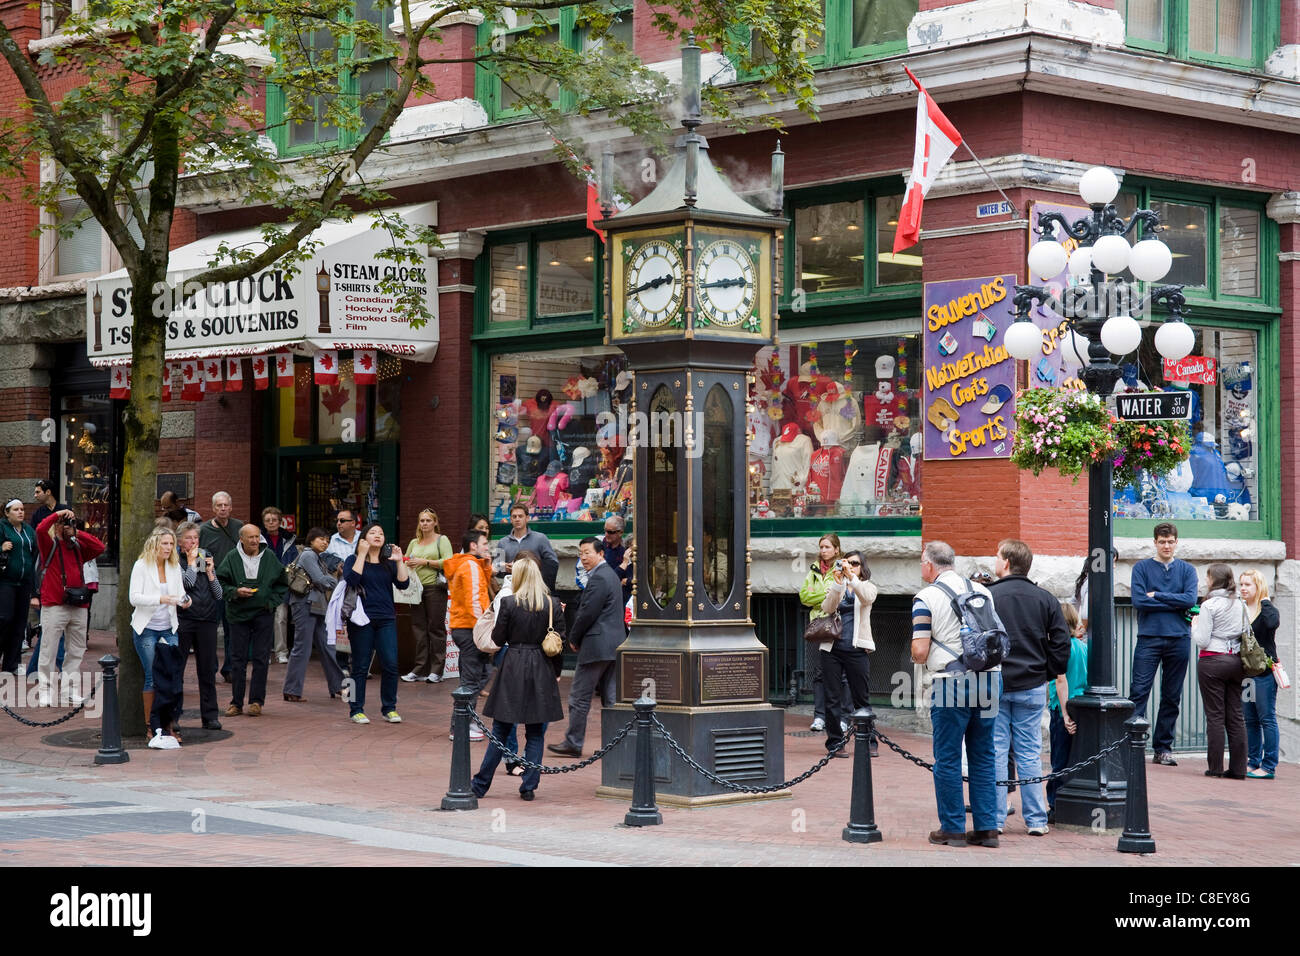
{"x": 302, "y": 785}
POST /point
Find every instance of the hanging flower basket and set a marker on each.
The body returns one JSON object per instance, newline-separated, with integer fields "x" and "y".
{"x": 1071, "y": 430}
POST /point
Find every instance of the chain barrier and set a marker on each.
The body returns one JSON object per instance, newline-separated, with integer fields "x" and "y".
{"x": 54, "y": 723}
{"x": 525, "y": 762}
{"x": 1060, "y": 774}
{"x": 739, "y": 787}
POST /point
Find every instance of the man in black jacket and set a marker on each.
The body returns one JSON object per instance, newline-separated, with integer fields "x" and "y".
{"x": 1040, "y": 649}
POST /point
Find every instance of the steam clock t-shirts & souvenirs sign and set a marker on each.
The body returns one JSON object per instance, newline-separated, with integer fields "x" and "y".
{"x": 970, "y": 379}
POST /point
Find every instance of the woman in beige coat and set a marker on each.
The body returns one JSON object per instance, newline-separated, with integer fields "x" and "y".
{"x": 850, "y": 595}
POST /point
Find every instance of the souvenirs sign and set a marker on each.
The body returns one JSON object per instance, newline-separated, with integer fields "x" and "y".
{"x": 970, "y": 379}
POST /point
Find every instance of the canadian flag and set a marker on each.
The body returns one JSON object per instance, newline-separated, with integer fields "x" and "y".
{"x": 283, "y": 369}
{"x": 936, "y": 140}
{"x": 365, "y": 367}
{"x": 234, "y": 375}
{"x": 261, "y": 372}
{"x": 212, "y": 375}
{"x": 168, "y": 371}
{"x": 120, "y": 386}
{"x": 191, "y": 382}
{"x": 326, "y": 367}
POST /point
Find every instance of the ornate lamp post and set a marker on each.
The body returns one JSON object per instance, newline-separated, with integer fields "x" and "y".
{"x": 691, "y": 297}
{"x": 1100, "y": 326}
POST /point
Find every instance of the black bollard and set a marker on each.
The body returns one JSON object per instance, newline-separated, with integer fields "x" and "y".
{"x": 862, "y": 807}
{"x": 110, "y": 727}
{"x": 644, "y": 812}
{"x": 459, "y": 795}
{"x": 1136, "y": 837}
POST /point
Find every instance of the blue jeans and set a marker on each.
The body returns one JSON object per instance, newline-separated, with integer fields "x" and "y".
{"x": 36, "y": 656}
{"x": 1062, "y": 740}
{"x": 145, "y": 642}
{"x": 1020, "y": 715}
{"x": 536, "y": 734}
{"x": 1261, "y": 722}
{"x": 377, "y": 637}
{"x": 965, "y": 708}
{"x": 1170, "y": 654}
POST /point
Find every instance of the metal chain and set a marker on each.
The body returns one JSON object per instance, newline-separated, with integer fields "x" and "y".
{"x": 1068, "y": 771}
{"x": 738, "y": 787}
{"x": 54, "y": 723}
{"x": 525, "y": 762}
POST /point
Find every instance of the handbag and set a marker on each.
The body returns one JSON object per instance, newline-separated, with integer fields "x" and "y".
{"x": 77, "y": 597}
{"x": 413, "y": 593}
{"x": 485, "y": 625}
{"x": 552, "y": 643}
{"x": 1254, "y": 659}
{"x": 825, "y": 628}
{"x": 1280, "y": 675}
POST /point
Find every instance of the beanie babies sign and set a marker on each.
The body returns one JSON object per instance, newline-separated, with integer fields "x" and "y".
{"x": 970, "y": 379}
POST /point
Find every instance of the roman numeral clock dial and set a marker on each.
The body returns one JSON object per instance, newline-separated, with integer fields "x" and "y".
{"x": 654, "y": 285}
{"x": 726, "y": 284}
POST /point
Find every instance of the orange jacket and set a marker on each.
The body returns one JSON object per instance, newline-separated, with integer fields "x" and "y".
{"x": 468, "y": 592}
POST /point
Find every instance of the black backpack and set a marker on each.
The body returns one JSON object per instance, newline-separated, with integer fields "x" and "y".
{"x": 984, "y": 643}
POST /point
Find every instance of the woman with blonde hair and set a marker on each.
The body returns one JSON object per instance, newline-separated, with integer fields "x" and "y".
{"x": 425, "y": 555}
{"x": 156, "y": 591}
{"x": 1259, "y": 703}
{"x": 526, "y": 691}
{"x": 816, "y": 585}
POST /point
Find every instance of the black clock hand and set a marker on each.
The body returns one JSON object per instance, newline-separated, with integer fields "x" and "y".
{"x": 724, "y": 283}
{"x": 652, "y": 284}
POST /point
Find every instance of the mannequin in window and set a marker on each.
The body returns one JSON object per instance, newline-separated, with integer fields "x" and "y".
{"x": 909, "y": 468}
{"x": 826, "y": 473}
{"x": 537, "y": 410}
{"x": 550, "y": 488}
{"x": 882, "y": 406}
{"x": 762, "y": 432}
{"x": 790, "y": 459}
{"x": 1209, "y": 474}
{"x": 532, "y": 458}
{"x": 837, "y": 414}
{"x": 582, "y": 471}
{"x": 800, "y": 398}
{"x": 860, "y": 480}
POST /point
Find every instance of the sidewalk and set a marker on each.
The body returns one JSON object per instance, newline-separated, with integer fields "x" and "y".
{"x": 302, "y": 785}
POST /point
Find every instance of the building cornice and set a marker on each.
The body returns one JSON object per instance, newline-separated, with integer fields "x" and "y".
{"x": 1284, "y": 207}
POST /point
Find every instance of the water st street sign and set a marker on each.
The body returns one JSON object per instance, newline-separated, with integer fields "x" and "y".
{"x": 1149, "y": 406}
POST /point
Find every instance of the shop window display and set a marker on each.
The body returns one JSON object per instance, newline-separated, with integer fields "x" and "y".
{"x": 560, "y": 427}
{"x": 834, "y": 428}
{"x": 1220, "y": 480}
{"x": 87, "y": 427}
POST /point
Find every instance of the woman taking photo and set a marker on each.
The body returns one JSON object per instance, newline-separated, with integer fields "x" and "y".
{"x": 1217, "y": 633}
{"x": 850, "y": 595}
{"x": 425, "y": 554}
{"x": 1258, "y": 707}
{"x": 526, "y": 691}
{"x": 308, "y": 612}
{"x": 812, "y": 595}
{"x": 156, "y": 591}
{"x": 198, "y": 622}
{"x": 375, "y": 571}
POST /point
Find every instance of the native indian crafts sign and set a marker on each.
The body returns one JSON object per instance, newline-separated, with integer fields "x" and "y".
{"x": 970, "y": 379}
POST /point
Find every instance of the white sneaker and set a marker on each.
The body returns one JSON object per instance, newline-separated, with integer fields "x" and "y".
{"x": 475, "y": 734}
{"x": 817, "y": 724}
{"x": 1038, "y": 831}
{"x": 434, "y": 679}
{"x": 411, "y": 677}
{"x": 161, "y": 742}
{"x": 43, "y": 699}
{"x": 283, "y": 658}
{"x": 844, "y": 726}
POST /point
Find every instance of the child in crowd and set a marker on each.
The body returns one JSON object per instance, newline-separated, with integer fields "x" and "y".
{"x": 1065, "y": 687}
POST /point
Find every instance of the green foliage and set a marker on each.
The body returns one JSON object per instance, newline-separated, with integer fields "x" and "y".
{"x": 1157, "y": 447}
{"x": 1060, "y": 428}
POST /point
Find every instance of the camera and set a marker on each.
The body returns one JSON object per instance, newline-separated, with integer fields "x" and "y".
{"x": 385, "y": 551}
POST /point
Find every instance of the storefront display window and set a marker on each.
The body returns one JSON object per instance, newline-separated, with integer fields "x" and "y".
{"x": 86, "y": 424}
{"x": 834, "y": 427}
{"x": 566, "y": 277}
{"x": 832, "y": 241}
{"x": 1185, "y": 232}
{"x": 509, "y": 283}
{"x": 1220, "y": 481}
{"x": 560, "y": 425}
{"x": 893, "y": 268}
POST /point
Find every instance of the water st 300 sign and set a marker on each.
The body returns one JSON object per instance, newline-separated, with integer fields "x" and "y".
{"x": 1150, "y": 406}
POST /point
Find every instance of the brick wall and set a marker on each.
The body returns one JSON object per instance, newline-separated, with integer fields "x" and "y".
{"x": 226, "y": 452}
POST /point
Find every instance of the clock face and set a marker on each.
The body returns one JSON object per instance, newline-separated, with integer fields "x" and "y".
{"x": 655, "y": 281}
{"x": 726, "y": 283}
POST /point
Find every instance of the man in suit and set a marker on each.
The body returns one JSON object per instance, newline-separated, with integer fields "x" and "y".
{"x": 596, "y": 633}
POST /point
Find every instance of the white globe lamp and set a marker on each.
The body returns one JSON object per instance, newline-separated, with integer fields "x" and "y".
{"x": 1047, "y": 258}
{"x": 1121, "y": 335}
{"x": 1150, "y": 260}
{"x": 1074, "y": 349}
{"x": 1081, "y": 262}
{"x": 1175, "y": 340}
{"x": 1023, "y": 340}
{"x": 1098, "y": 186}
{"x": 1110, "y": 254}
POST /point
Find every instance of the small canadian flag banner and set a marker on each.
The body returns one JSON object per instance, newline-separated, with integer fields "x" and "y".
{"x": 261, "y": 372}
{"x": 169, "y": 370}
{"x": 365, "y": 367}
{"x": 120, "y": 386}
{"x": 234, "y": 375}
{"x": 326, "y": 367}
{"x": 212, "y": 375}
{"x": 284, "y": 369}
{"x": 191, "y": 382}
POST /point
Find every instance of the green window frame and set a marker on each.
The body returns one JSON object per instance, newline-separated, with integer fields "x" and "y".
{"x": 1170, "y": 27}
{"x": 569, "y": 28}
{"x": 362, "y": 73}
{"x": 853, "y": 30}
{"x": 505, "y": 310}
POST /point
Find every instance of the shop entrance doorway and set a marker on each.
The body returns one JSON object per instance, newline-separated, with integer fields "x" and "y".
{"x": 313, "y": 483}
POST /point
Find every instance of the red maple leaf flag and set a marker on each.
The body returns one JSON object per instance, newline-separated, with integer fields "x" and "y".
{"x": 326, "y": 367}
{"x": 212, "y": 375}
{"x": 234, "y": 375}
{"x": 120, "y": 385}
{"x": 191, "y": 382}
{"x": 334, "y": 399}
{"x": 365, "y": 367}
{"x": 283, "y": 369}
{"x": 936, "y": 140}
{"x": 261, "y": 372}
{"x": 169, "y": 371}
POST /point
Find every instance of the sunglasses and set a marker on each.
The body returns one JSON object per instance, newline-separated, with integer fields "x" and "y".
{"x": 346, "y": 521}
{"x": 854, "y": 564}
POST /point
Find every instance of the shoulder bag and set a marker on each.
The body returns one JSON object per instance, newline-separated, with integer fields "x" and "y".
{"x": 299, "y": 582}
{"x": 77, "y": 597}
{"x": 1255, "y": 661}
{"x": 825, "y": 628}
{"x": 485, "y": 625}
{"x": 552, "y": 643}
{"x": 413, "y": 593}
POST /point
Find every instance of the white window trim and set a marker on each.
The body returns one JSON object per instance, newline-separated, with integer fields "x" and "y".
{"x": 109, "y": 260}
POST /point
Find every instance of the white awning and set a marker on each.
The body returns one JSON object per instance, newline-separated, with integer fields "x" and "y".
{"x": 270, "y": 311}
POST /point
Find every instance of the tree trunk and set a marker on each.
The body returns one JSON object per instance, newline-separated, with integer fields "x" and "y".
{"x": 142, "y": 424}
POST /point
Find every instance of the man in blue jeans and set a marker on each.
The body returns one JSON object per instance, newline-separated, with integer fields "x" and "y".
{"x": 963, "y": 705}
{"x": 1040, "y": 649}
{"x": 1164, "y": 590}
